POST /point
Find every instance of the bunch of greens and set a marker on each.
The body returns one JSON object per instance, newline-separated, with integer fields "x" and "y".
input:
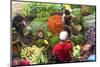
{"x": 54, "y": 40}
{"x": 78, "y": 39}
{"x": 29, "y": 9}
{"x": 88, "y": 20}
{"x": 38, "y": 26}
{"x": 40, "y": 10}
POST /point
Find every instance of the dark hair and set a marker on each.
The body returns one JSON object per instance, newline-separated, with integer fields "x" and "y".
{"x": 40, "y": 31}
{"x": 17, "y": 23}
{"x": 18, "y": 18}
{"x": 92, "y": 48}
{"x": 67, "y": 12}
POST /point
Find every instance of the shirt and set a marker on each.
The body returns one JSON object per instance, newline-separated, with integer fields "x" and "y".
{"x": 62, "y": 51}
{"x": 92, "y": 58}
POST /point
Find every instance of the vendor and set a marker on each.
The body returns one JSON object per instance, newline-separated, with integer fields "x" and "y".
{"x": 68, "y": 21}
{"x": 85, "y": 51}
{"x": 41, "y": 37}
{"x": 92, "y": 52}
{"x": 19, "y": 24}
{"x": 69, "y": 25}
{"x": 62, "y": 51}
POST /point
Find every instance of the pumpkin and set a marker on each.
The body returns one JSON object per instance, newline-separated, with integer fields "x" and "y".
{"x": 55, "y": 24}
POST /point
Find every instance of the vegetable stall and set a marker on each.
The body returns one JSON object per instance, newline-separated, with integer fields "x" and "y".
{"x": 48, "y": 18}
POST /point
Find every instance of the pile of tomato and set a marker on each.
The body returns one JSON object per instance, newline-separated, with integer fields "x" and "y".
{"x": 55, "y": 24}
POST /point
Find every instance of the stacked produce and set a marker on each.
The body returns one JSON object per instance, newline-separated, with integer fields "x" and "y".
{"x": 78, "y": 40}
{"x": 77, "y": 15}
{"x": 55, "y": 24}
{"x": 37, "y": 47}
{"x": 88, "y": 20}
{"x": 38, "y": 25}
{"x": 76, "y": 11}
{"x": 41, "y": 42}
{"x": 89, "y": 25}
{"x": 29, "y": 11}
{"x": 76, "y": 51}
{"x": 90, "y": 34}
{"x": 34, "y": 55}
